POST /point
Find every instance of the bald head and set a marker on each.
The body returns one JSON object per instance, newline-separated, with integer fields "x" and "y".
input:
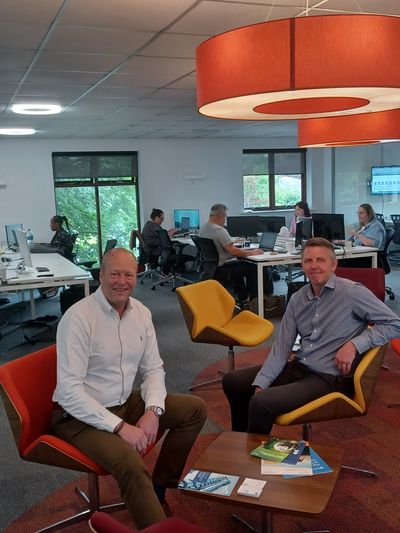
{"x": 115, "y": 255}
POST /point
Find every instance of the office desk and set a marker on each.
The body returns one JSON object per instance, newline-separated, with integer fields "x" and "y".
{"x": 64, "y": 273}
{"x": 271, "y": 259}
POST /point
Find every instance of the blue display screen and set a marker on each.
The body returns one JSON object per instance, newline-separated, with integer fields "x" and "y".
{"x": 192, "y": 214}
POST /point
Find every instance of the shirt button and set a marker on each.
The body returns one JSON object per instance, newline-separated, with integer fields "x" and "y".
{"x": 316, "y": 314}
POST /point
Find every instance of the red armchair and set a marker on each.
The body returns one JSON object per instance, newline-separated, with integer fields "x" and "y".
{"x": 103, "y": 523}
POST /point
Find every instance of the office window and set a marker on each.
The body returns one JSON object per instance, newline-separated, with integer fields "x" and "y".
{"x": 98, "y": 193}
{"x": 273, "y": 179}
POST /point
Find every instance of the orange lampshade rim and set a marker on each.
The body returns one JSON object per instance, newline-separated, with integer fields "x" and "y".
{"x": 350, "y": 130}
{"x": 274, "y": 70}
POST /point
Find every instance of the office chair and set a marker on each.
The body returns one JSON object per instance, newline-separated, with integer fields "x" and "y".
{"x": 372, "y": 278}
{"x": 336, "y": 405}
{"x": 103, "y": 523}
{"x": 395, "y": 254}
{"x": 383, "y": 259}
{"x": 395, "y": 343}
{"x": 381, "y": 219}
{"x": 209, "y": 312}
{"x": 173, "y": 258}
{"x": 26, "y": 387}
{"x": 146, "y": 259}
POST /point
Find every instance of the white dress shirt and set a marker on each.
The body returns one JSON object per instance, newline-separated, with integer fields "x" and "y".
{"x": 99, "y": 355}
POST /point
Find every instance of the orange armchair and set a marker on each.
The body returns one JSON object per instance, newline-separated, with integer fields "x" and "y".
{"x": 26, "y": 387}
{"x": 396, "y": 347}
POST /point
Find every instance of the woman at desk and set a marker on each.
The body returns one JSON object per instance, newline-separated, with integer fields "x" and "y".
{"x": 62, "y": 241}
{"x": 301, "y": 210}
{"x": 370, "y": 231}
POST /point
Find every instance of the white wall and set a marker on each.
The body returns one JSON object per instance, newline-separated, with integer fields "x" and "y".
{"x": 26, "y": 168}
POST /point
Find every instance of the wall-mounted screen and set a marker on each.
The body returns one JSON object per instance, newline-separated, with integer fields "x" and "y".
{"x": 385, "y": 179}
{"x": 192, "y": 214}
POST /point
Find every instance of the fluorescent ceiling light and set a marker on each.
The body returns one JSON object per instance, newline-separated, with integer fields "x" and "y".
{"x": 36, "y": 109}
{"x": 17, "y": 131}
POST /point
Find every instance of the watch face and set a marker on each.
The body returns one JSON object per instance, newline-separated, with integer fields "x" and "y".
{"x": 158, "y": 411}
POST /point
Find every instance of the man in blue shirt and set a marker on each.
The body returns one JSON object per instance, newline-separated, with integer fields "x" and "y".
{"x": 331, "y": 315}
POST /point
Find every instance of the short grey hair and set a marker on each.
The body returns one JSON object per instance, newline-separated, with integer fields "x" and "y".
{"x": 218, "y": 209}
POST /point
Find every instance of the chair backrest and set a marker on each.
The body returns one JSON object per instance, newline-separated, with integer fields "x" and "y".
{"x": 208, "y": 254}
{"x": 166, "y": 246}
{"x": 381, "y": 219}
{"x": 27, "y": 386}
{"x": 396, "y": 226}
{"x": 383, "y": 254}
{"x": 205, "y": 303}
{"x": 372, "y": 278}
{"x": 110, "y": 244}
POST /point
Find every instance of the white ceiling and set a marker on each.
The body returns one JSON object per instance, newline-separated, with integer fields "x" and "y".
{"x": 126, "y": 68}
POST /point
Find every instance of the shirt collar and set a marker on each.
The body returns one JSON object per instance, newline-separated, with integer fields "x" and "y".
{"x": 103, "y": 302}
{"x": 330, "y": 284}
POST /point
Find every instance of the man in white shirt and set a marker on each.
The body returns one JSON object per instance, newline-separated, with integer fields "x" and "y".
{"x": 104, "y": 342}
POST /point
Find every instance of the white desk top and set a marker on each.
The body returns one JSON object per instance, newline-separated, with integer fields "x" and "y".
{"x": 293, "y": 257}
{"x": 60, "y": 268}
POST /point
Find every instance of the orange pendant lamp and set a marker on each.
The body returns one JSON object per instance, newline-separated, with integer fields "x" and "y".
{"x": 350, "y": 130}
{"x": 306, "y": 67}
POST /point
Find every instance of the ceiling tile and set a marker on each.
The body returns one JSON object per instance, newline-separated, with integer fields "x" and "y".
{"x": 174, "y": 45}
{"x": 77, "y": 62}
{"x": 97, "y": 40}
{"x": 13, "y": 59}
{"x": 157, "y": 72}
{"x": 32, "y": 12}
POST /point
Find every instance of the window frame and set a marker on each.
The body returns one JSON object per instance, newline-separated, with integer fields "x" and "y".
{"x": 95, "y": 181}
{"x": 270, "y": 172}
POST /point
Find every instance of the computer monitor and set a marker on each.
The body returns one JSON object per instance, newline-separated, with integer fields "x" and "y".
{"x": 271, "y": 223}
{"x": 192, "y": 214}
{"x": 243, "y": 226}
{"x": 185, "y": 223}
{"x": 304, "y": 230}
{"x": 10, "y": 234}
{"x": 23, "y": 247}
{"x": 330, "y": 226}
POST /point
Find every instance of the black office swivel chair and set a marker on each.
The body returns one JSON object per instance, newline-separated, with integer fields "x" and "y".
{"x": 146, "y": 259}
{"x": 171, "y": 256}
{"x": 381, "y": 219}
{"x": 383, "y": 259}
{"x": 395, "y": 254}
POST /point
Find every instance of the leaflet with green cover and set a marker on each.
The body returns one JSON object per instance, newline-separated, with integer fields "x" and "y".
{"x": 275, "y": 449}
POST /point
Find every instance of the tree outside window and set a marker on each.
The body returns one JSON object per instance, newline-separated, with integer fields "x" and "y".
{"x": 273, "y": 179}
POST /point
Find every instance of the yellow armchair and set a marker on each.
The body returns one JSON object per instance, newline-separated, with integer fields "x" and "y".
{"x": 208, "y": 309}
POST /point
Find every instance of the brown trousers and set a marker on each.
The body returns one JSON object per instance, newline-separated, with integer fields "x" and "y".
{"x": 184, "y": 417}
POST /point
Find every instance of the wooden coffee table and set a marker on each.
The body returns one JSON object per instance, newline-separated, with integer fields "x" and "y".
{"x": 307, "y": 496}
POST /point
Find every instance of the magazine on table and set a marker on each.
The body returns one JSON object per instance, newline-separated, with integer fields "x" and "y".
{"x": 275, "y": 449}
{"x": 318, "y": 465}
{"x": 210, "y": 482}
{"x": 301, "y": 467}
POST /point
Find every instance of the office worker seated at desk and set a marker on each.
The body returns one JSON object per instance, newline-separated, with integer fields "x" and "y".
{"x": 241, "y": 273}
{"x": 301, "y": 210}
{"x": 331, "y": 315}
{"x": 103, "y": 342}
{"x": 62, "y": 241}
{"x": 370, "y": 232}
{"x": 152, "y": 239}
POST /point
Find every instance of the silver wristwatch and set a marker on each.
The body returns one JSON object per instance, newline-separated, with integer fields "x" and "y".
{"x": 158, "y": 411}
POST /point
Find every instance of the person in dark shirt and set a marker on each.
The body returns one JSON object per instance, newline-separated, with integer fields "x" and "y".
{"x": 150, "y": 234}
{"x": 62, "y": 239}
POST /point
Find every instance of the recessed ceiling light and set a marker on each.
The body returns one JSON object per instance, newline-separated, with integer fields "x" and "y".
{"x": 36, "y": 109}
{"x": 17, "y": 131}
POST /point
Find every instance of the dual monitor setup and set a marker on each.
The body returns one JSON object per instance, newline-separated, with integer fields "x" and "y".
{"x": 327, "y": 225}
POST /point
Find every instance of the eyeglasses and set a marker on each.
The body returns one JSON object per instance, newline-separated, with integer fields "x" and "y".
{"x": 361, "y": 212}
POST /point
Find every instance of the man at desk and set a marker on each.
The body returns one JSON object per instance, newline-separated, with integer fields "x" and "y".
{"x": 105, "y": 342}
{"x": 241, "y": 273}
{"x": 331, "y": 315}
